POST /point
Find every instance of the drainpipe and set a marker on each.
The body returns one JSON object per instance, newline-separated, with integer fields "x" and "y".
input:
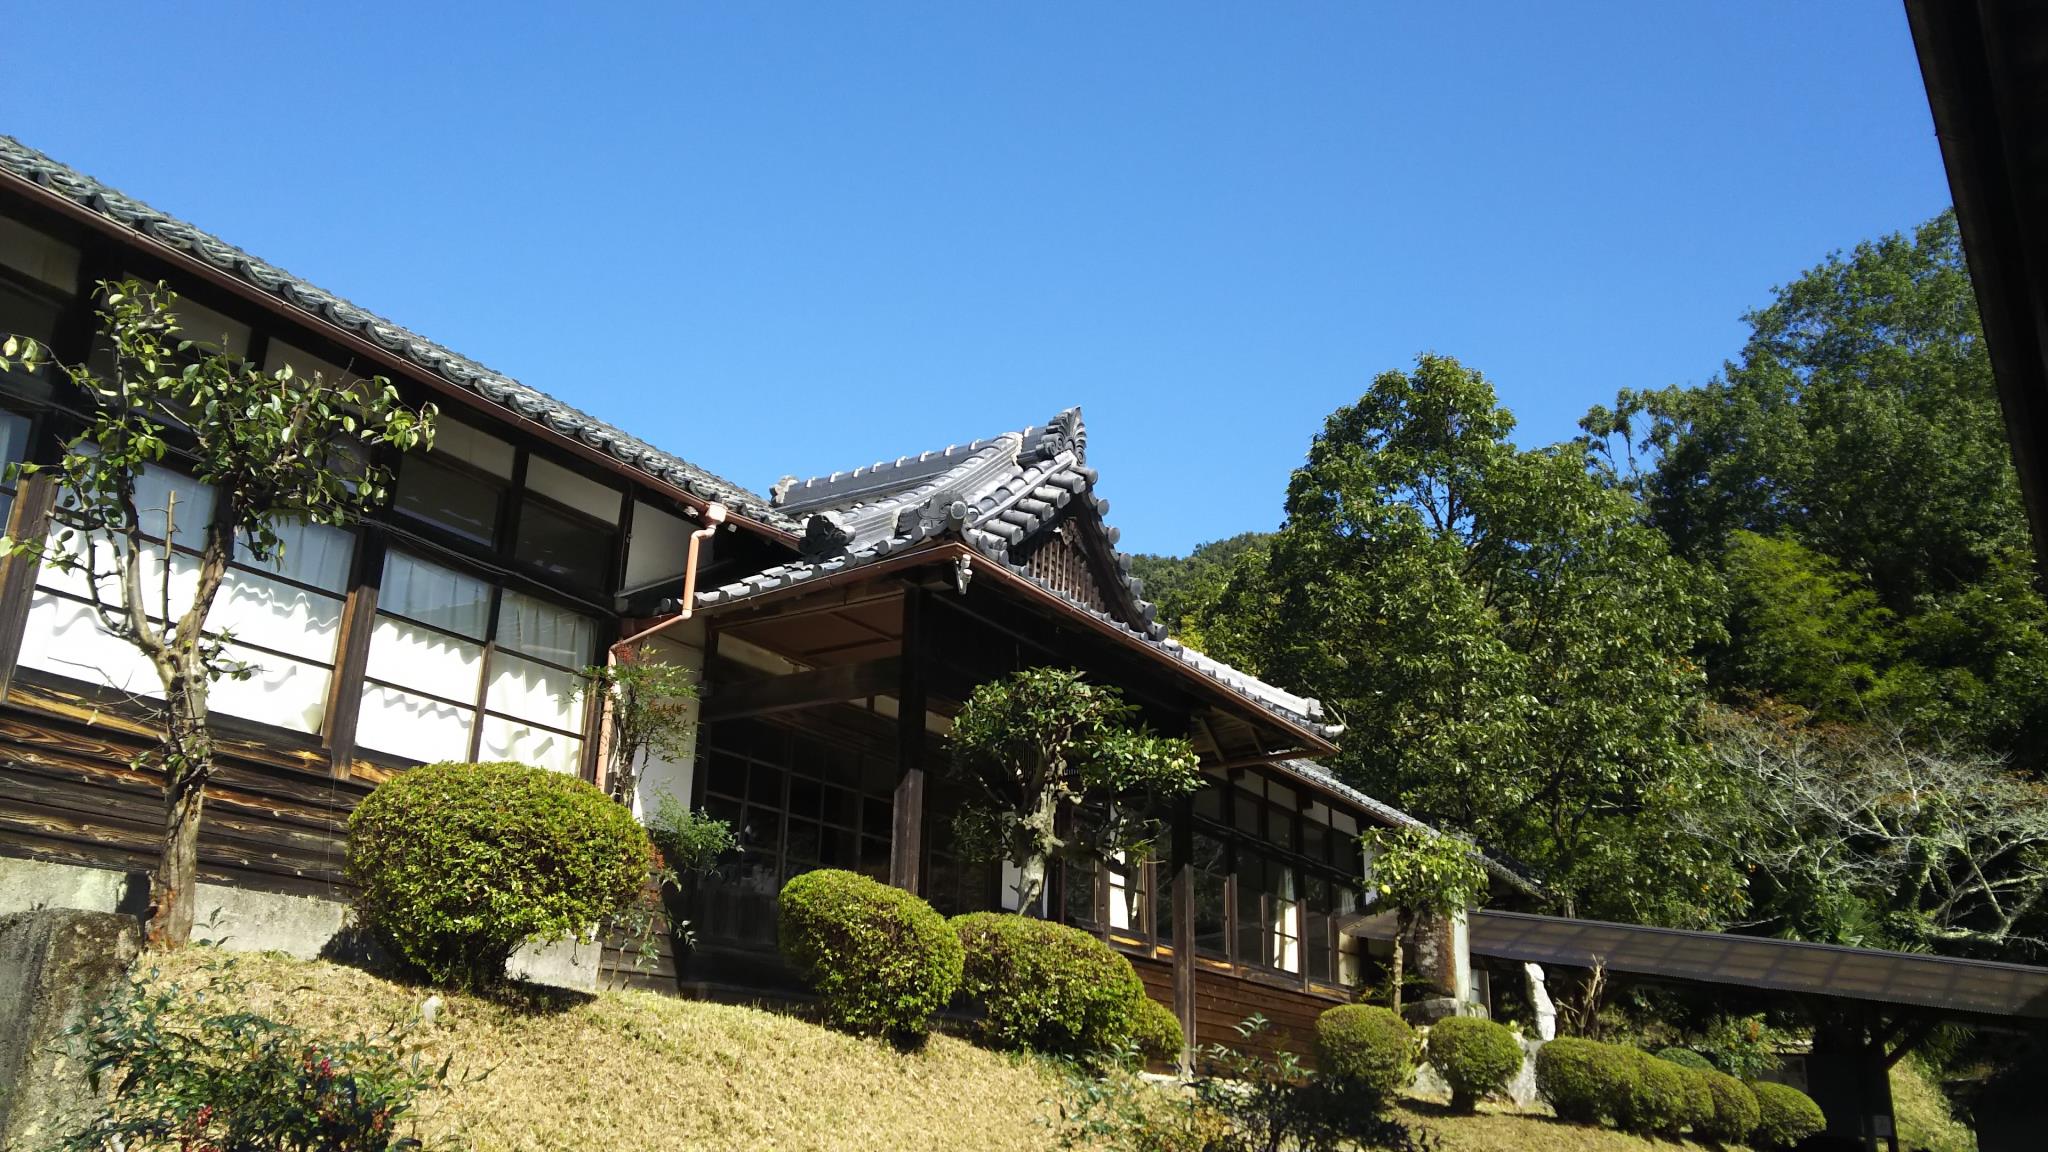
{"x": 714, "y": 515}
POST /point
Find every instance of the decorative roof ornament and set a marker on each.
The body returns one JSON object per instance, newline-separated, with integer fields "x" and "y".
{"x": 824, "y": 537}
{"x": 944, "y": 512}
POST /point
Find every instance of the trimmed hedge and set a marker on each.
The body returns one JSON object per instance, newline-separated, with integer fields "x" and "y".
{"x": 1048, "y": 987}
{"x": 1475, "y": 1056}
{"x": 1156, "y": 1030}
{"x": 1659, "y": 1097}
{"x": 1581, "y": 1079}
{"x": 1365, "y": 1047}
{"x": 1686, "y": 1058}
{"x": 1785, "y": 1115}
{"x": 881, "y": 961}
{"x": 457, "y": 865}
{"x": 1735, "y": 1109}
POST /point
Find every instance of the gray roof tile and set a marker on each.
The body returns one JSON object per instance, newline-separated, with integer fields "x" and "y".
{"x": 518, "y": 399}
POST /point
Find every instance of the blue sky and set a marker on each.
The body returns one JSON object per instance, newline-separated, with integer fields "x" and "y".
{"x": 794, "y": 238}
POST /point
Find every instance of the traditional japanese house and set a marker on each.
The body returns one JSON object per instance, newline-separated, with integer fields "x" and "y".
{"x": 838, "y": 624}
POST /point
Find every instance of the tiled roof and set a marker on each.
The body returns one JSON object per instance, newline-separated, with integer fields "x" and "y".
{"x": 519, "y": 400}
{"x": 1321, "y": 777}
{"x": 992, "y": 495}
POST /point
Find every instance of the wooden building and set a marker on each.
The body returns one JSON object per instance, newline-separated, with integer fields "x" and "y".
{"x": 838, "y": 624}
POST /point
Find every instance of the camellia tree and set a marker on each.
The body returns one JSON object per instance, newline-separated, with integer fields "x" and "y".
{"x": 1422, "y": 873}
{"x": 647, "y": 706}
{"x": 1059, "y": 770}
{"x": 270, "y": 447}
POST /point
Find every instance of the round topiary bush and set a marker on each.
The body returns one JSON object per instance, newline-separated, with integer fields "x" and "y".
{"x": 457, "y": 865}
{"x": 1048, "y": 987}
{"x": 1785, "y": 1115}
{"x": 1660, "y": 1098}
{"x": 1582, "y": 1079}
{"x": 1735, "y": 1113}
{"x": 1476, "y": 1057}
{"x": 1156, "y": 1031}
{"x": 880, "y": 960}
{"x": 1686, "y": 1058}
{"x": 1365, "y": 1047}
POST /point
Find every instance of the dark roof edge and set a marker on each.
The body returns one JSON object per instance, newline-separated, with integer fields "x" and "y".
{"x": 1321, "y": 777}
{"x": 95, "y": 203}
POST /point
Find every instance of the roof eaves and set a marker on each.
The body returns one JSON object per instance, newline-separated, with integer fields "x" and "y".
{"x": 52, "y": 178}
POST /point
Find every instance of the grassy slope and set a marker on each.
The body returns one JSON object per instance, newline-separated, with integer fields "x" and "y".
{"x": 634, "y": 1070}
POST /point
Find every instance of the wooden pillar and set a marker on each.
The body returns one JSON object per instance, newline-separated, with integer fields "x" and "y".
{"x": 1181, "y": 861}
{"x": 906, "y": 842}
{"x": 34, "y": 500}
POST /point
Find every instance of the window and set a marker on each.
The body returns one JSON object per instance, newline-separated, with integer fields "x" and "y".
{"x": 38, "y": 278}
{"x": 1212, "y": 882}
{"x": 14, "y": 434}
{"x": 459, "y": 485}
{"x": 461, "y": 667}
{"x": 283, "y": 616}
{"x": 797, "y": 804}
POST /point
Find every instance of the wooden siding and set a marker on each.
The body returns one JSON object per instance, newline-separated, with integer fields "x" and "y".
{"x": 1223, "y": 1000}
{"x": 274, "y": 820}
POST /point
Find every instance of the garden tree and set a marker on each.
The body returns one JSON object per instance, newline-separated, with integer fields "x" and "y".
{"x": 1507, "y": 641}
{"x": 1058, "y": 770}
{"x": 1860, "y": 836}
{"x": 646, "y": 704}
{"x": 268, "y": 448}
{"x": 1861, "y": 423}
{"x": 1421, "y": 873}
{"x": 1182, "y": 587}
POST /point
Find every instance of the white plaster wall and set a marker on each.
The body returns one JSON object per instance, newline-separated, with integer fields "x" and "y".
{"x": 682, "y": 645}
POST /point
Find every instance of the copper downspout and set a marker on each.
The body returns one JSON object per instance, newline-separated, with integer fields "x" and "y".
{"x": 714, "y": 515}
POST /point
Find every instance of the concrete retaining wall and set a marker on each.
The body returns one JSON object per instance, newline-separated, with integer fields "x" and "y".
{"x": 56, "y": 965}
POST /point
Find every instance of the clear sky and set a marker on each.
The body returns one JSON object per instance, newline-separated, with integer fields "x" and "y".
{"x": 793, "y": 238}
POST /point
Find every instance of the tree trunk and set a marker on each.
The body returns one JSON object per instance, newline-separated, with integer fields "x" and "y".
{"x": 1400, "y": 951}
{"x": 187, "y": 763}
{"x": 1030, "y": 884}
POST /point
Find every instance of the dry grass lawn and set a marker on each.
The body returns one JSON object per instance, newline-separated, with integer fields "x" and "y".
{"x": 632, "y": 1070}
{"x": 635, "y": 1070}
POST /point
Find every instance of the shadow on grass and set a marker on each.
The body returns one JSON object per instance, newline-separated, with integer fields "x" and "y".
{"x": 357, "y": 947}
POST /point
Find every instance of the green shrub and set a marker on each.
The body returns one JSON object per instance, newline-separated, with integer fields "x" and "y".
{"x": 1659, "y": 1098}
{"x": 1156, "y": 1031}
{"x": 1048, "y": 987}
{"x": 1476, "y": 1057}
{"x": 1581, "y": 1079}
{"x": 1686, "y": 1058}
{"x": 457, "y": 865}
{"x": 1367, "y": 1046}
{"x": 1785, "y": 1115}
{"x": 188, "y": 1068}
{"x": 880, "y": 960}
{"x": 1735, "y": 1113}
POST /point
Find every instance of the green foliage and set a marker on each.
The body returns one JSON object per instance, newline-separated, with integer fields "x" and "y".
{"x": 1273, "y": 1103}
{"x": 1785, "y": 1115}
{"x": 1922, "y": 1112}
{"x": 1686, "y": 1058}
{"x": 1185, "y": 588}
{"x": 1657, "y": 1097}
{"x": 1745, "y": 1047}
{"x": 1476, "y": 1057}
{"x": 1056, "y": 769}
{"x": 881, "y": 961}
{"x": 1420, "y": 871}
{"x": 182, "y": 1071}
{"x": 1582, "y": 1079}
{"x": 648, "y": 705}
{"x": 272, "y": 447}
{"x": 1800, "y": 628}
{"x": 1156, "y": 1032}
{"x": 1508, "y": 642}
{"x": 690, "y": 843}
{"x": 1735, "y": 1113}
{"x": 1047, "y": 987}
{"x": 1365, "y": 1046}
{"x": 457, "y": 865}
{"x": 1118, "y": 1112}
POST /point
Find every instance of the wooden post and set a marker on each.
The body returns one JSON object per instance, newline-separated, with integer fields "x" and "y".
{"x": 1182, "y": 863}
{"x": 34, "y": 500}
{"x": 906, "y": 842}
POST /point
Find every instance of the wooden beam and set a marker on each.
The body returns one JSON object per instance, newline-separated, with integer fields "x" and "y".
{"x": 1181, "y": 862}
{"x": 35, "y": 498}
{"x": 906, "y": 839}
{"x": 831, "y": 685}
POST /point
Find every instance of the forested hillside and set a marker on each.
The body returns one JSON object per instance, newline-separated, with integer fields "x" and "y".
{"x": 1768, "y": 653}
